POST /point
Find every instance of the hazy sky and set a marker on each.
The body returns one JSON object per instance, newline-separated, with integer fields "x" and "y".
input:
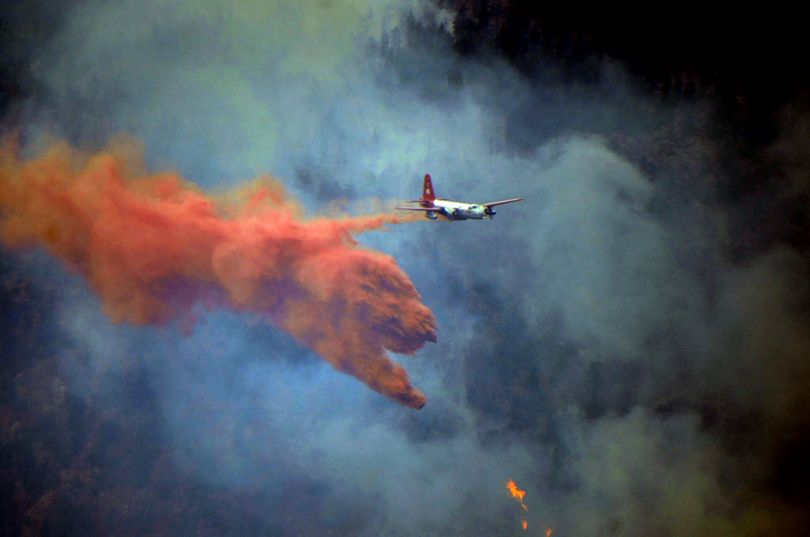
{"x": 604, "y": 343}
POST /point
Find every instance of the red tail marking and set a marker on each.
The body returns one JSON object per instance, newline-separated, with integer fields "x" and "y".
{"x": 428, "y": 194}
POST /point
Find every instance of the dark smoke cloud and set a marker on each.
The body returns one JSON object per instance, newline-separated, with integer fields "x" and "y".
{"x": 628, "y": 344}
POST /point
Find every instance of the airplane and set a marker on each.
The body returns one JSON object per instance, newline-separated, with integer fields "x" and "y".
{"x": 434, "y": 207}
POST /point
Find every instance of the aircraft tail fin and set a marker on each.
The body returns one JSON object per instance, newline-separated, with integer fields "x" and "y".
{"x": 428, "y": 194}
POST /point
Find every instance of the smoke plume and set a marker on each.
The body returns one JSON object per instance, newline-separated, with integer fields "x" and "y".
{"x": 156, "y": 249}
{"x": 630, "y": 343}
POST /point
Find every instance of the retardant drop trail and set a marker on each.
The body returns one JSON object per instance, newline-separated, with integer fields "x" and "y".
{"x": 156, "y": 249}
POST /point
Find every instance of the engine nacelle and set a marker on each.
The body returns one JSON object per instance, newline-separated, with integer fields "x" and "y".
{"x": 432, "y": 215}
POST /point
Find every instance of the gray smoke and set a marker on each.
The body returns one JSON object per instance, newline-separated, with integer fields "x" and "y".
{"x": 599, "y": 343}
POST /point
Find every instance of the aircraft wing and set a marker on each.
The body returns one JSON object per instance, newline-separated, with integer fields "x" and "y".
{"x": 502, "y": 202}
{"x": 434, "y": 209}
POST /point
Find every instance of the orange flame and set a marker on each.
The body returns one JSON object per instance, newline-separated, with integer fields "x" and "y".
{"x": 157, "y": 250}
{"x": 548, "y": 531}
{"x": 516, "y": 493}
{"x": 519, "y": 494}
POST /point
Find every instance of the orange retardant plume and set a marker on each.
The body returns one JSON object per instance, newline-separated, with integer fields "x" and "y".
{"x": 519, "y": 494}
{"x": 156, "y": 250}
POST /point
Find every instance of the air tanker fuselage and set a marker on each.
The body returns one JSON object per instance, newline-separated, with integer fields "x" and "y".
{"x": 435, "y": 208}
